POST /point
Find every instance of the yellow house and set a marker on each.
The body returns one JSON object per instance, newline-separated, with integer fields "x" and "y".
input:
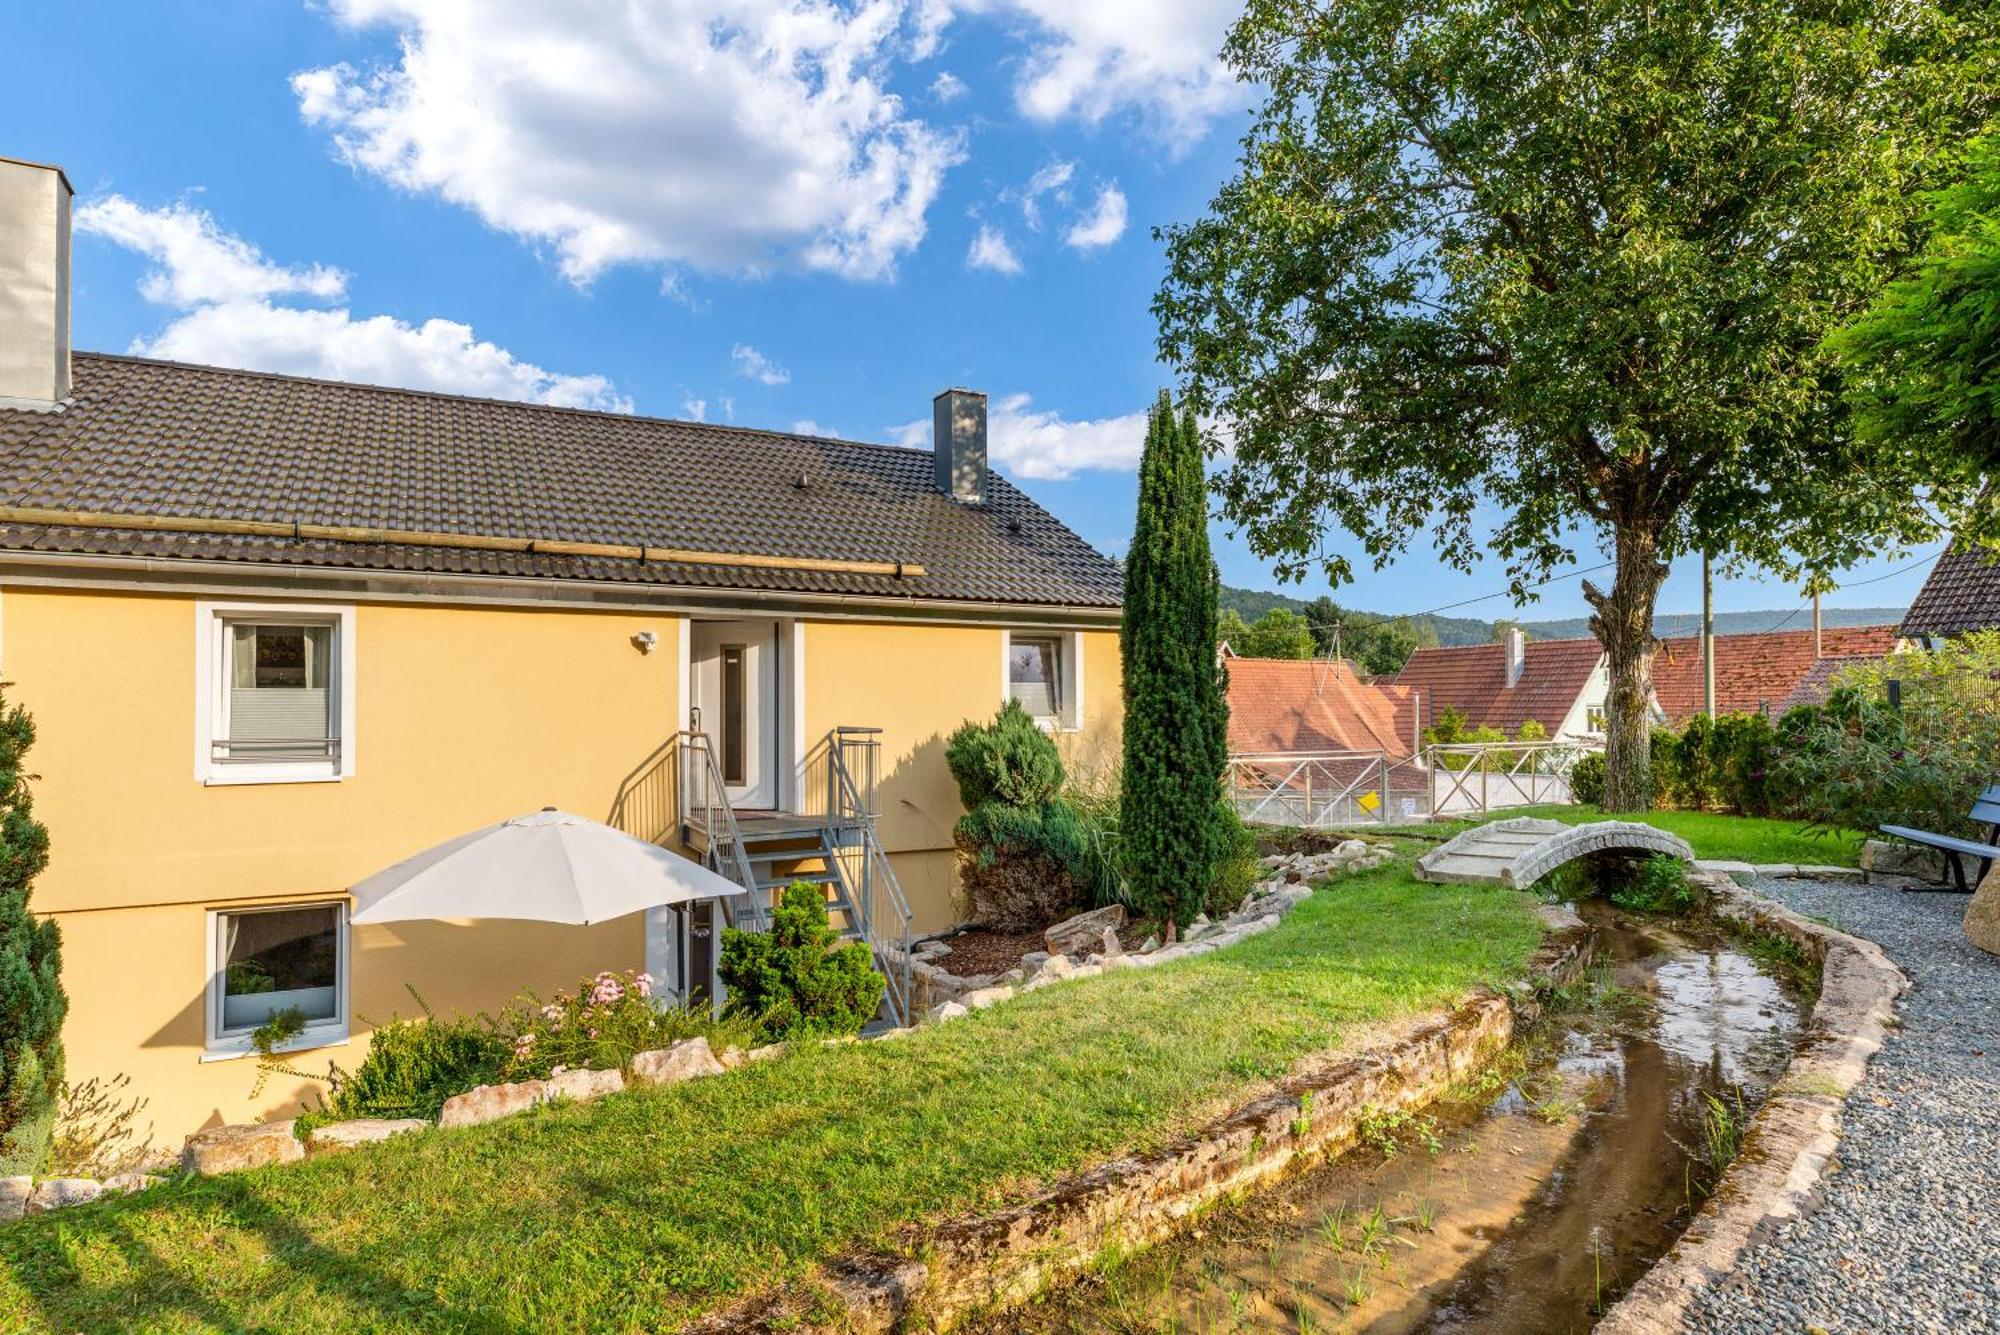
{"x": 278, "y": 634}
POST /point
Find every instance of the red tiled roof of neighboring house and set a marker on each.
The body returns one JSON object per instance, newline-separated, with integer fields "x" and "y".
{"x": 1753, "y": 671}
{"x": 1962, "y": 593}
{"x": 1472, "y": 679}
{"x": 1290, "y": 705}
{"x": 1817, "y": 684}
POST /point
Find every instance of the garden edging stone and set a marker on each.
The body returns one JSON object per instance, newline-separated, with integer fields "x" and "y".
{"x": 232, "y": 1149}
{"x": 1794, "y": 1136}
{"x": 335, "y": 1137}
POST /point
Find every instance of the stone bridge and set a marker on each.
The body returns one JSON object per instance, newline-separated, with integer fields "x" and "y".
{"x": 1521, "y": 851}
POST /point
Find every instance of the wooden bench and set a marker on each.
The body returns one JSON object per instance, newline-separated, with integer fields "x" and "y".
{"x": 1985, "y": 809}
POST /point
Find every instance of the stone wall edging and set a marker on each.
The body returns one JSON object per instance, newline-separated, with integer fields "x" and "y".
{"x": 1777, "y": 1173}
{"x": 978, "y": 1262}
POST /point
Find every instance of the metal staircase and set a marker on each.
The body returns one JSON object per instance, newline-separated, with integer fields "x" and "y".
{"x": 836, "y": 848}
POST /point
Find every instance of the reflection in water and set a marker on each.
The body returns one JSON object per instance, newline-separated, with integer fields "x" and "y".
{"x": 1545, "y": 1200}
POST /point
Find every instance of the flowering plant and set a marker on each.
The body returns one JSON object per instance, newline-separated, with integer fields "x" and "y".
{"x": 601, "y": 1025}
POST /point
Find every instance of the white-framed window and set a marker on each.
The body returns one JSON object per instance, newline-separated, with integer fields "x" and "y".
{"x": 275, "y": 686}
{"x": 1594, "y": 718}
{"x": 1044, "y": 671}
{"x": 266, "y": 961}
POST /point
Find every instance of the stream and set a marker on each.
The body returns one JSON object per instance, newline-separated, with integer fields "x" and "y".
{"x": 1525, "y": 1204}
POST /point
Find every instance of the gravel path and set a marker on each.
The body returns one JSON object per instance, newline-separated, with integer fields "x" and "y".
{"x": 1908, "y": 1236}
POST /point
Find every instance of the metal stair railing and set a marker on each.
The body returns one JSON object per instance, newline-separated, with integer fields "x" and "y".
{"x": 708, "y": 807}
{"x": 852, "y": 756}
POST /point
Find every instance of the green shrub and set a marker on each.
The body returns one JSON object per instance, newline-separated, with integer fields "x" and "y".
{"x": 1237, "y": 869}
{"x": 799, "y": 978}
{"x": 414, "y": 1065}
{"x": 1025, "y": 867}
{"x": 1657, "y": 885}
{"x": 1745, "y": 748}
{"x": 1010, "y": 760}
{"x": 1858, "y": 762}
{"x": 32, "y": 1003}
{"x": 1586, "y": 780}
{"x": 601, "y": 1026}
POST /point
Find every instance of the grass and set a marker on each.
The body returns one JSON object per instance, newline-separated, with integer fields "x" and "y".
{"x": 1713, "y": 834}
{"x": 652, "y": 1206}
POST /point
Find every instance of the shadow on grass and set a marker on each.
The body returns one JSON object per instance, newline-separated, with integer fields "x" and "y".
{"x": 48, "y": 1262}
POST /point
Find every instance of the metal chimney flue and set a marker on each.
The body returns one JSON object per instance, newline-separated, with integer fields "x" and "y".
{"x": 958, "y": 445}
{"x": 34, "y": 285}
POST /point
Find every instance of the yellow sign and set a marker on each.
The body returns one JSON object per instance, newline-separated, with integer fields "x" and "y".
{"x": 1368, "y": 801}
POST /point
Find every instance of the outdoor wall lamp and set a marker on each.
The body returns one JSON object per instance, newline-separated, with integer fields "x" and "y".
{"x": 644, "y": 641}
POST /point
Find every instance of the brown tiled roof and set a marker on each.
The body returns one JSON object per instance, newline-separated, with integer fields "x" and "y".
{"x": 1961, "y": 593}
{"x": 1472, "y": 679}
{"x": 1753, "y": 671}
{"x": 1817, "y": 684}
{"x": 1286, "y": 705}
{"x": 160, "y": 438}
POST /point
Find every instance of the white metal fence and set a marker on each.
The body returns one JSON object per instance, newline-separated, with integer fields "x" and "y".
{"x": 1314, "y": 789}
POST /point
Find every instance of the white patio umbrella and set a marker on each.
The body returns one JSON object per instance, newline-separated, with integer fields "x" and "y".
{"x": 548, "y": 867}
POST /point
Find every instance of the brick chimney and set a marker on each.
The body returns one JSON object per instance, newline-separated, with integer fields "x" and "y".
{"x": 34, "y": 285}
{"x": 958, "y": 445}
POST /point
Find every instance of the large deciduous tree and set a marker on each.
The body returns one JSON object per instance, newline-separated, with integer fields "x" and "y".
{"x": 1172, "y": 830}
{"x": 1572, "y": 266}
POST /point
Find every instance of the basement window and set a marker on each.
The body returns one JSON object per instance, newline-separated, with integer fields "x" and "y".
{"x": 270, "y": 962}
{"x": 277, "y": 697}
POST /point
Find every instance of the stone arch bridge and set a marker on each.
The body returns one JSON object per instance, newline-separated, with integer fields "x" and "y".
{"x": 1521, "y": 851}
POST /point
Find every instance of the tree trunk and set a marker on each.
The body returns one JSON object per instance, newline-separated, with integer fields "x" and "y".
{"x": 1623, "y": 624}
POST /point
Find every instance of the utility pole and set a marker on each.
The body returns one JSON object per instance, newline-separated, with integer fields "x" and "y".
{"x": 1707, "y": 636}
{"x": 1818, "y": 653}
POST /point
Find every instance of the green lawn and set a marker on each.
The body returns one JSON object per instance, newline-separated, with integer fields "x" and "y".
{"x": 642, "y": 1210}
{"x": 1713, "y": 835}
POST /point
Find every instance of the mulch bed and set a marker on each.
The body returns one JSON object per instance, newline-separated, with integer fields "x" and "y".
{"x": 981, "y": 950}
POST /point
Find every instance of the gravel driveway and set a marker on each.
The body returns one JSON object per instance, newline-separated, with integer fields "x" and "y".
{"x": 1908, "y": 1236}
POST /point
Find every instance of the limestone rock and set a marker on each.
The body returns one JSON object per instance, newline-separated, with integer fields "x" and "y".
{"x": 765, "y": 1053}
{"x": 1112, "y": 947}
{"x": 124, "y": 1184}
{"x": 732, "y": 1057}
{"x": 1073, "y": 936}
{"x": 1034, "y": 959}
{"x": 1982, "y": 916}
{"x": 1884, "y": 857}
{"x": 337, "y": 1136}
{"x": 230, "y": 1149}
{"x": 688, "y": 1059}
{"x": 986, "y": 996}
{"x": 56, "y": 1193}
{"x": 14, "y": 1193}
{"x": 583, "y": 1086}
{"x": 1152, "y": 943}
{"x": 489, "y": 1103}
{"x": 949, "y": 1010}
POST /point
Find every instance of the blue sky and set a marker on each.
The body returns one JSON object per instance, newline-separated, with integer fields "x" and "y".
{"x": 781, "y": 213}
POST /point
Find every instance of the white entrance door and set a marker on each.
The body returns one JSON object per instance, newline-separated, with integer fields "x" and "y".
{"x": 735, "y": 688}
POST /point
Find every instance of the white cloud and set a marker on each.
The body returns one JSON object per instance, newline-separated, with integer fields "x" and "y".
{"x": 990, "y": 251}
{"x": 805, "y": 426}
{"x": 222, "y": 287}
{"x": 1052, "y": 180}
{"x": 1033, "y": 443}
{"x": 694, "y": 409}
{"x": 947, "y": 88}
{"x": 1158, "y": 60}
{"x": 727, "y": 135}
{"x": 1105, "y": 223}
{"x": 195, "y": 261}
{"x": 754, "y": 365}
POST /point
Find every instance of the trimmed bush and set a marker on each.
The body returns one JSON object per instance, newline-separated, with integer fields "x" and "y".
{"x": 1010, "y": 760}
{"x": 1025, "y": 867}
{"x": 1586, "y": 779}
{"x": 799, "y": 979}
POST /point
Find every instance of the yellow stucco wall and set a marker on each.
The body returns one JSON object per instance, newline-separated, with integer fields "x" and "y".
{"x": 464, "y": 717}
{"x": 918, "y": 684}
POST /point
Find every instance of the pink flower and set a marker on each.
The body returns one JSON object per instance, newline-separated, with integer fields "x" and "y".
{"x": 644, "y": 984}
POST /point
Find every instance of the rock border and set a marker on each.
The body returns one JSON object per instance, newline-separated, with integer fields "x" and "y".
{"x": 977, "y": 1263}
{"x": 1792, "y": 1138}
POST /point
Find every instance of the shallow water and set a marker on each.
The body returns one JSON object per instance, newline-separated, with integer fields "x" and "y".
{"x": 1526, "y": 1207}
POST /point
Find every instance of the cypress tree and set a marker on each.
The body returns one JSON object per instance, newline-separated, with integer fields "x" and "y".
{"x": 31, "y": 996}
{"x": 1171, "y": 822}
